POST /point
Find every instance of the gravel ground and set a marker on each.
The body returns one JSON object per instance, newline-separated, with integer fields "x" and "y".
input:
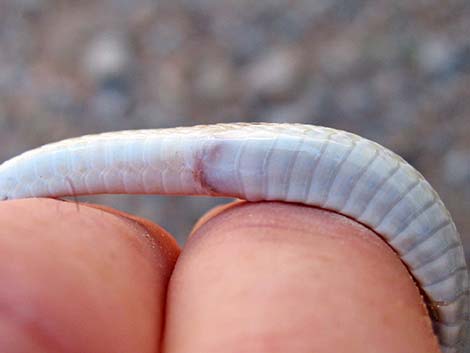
{"x": 397, "y": 72}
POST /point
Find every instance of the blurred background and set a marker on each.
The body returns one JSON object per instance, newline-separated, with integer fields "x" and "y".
{"x": 394, "y": 71}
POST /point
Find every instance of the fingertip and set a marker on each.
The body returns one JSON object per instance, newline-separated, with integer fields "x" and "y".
{"x": 271, "y": 275}
{"x": 82, "y": 279}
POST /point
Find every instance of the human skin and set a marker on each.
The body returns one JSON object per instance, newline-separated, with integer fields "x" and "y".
{"x": 253, "y": 277}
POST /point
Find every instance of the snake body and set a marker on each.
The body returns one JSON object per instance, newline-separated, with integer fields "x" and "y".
{"x": 306, "y": 164}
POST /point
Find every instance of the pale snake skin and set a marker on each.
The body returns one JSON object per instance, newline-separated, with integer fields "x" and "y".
{"x": 306, "y": 164}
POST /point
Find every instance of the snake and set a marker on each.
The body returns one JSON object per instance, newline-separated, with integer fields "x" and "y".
{"x": 297, "y": 163}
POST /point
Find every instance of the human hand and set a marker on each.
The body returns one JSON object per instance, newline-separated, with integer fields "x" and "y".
{"x": 264, "y": 277}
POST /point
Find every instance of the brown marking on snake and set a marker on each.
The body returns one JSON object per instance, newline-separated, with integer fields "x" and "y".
{"x": 202, "y": 159}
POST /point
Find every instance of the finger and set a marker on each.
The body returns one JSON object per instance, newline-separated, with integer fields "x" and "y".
{"x": 80, "y": 279}
{"x": 287, "y": 278}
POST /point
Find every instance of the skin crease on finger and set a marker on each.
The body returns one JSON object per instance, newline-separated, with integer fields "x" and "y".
{"x": 274, "y": 277}
{"x": 78, "y": 279}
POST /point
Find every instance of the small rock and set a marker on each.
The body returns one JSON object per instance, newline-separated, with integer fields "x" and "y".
{"x": 109, "y": 62}
{"x": 457, "y": 167}
{"x": 108, "y": 55}
{"x": 275, "y": 74}
{"x": 435, "y": 55}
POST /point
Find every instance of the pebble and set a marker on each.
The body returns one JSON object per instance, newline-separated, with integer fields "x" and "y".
{"x": 435, "y": 55}
{"x": 457, "y": 167}
{"x": 109, "y": 61}
{"x": 274, "y": 74}
{"x": 108, "y": 55}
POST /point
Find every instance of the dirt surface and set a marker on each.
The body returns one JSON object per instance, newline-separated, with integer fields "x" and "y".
{"x": 397, "y": 72}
